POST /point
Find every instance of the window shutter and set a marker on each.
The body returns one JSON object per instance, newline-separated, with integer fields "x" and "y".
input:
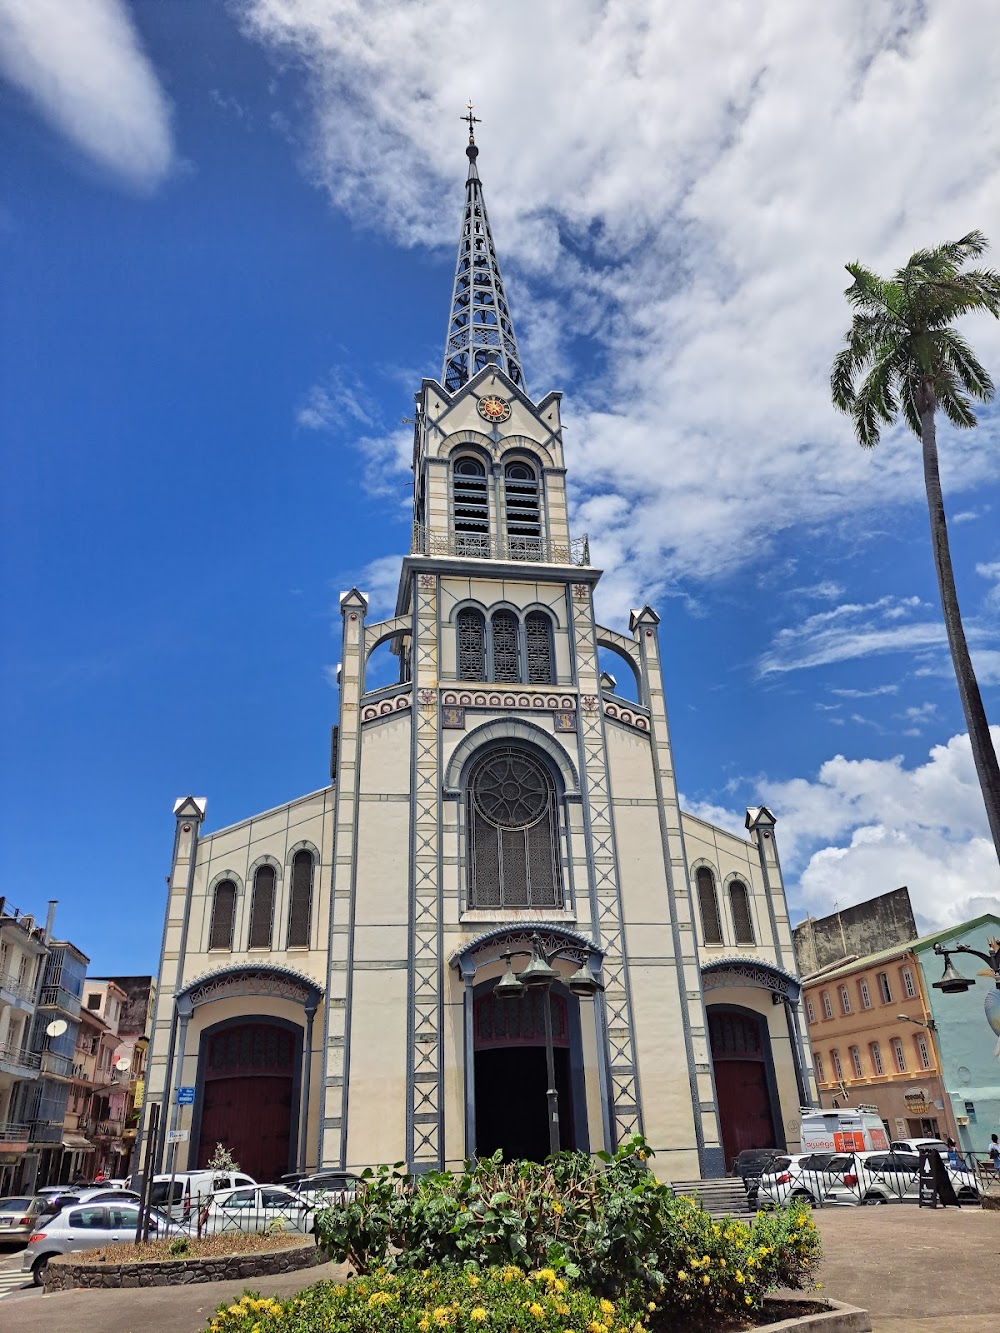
{"x": 262, "y": 908}
{"x": 740, "y": 902}
{"x": 711, "y": 925}
{"x": 220, "y": 934}
{"x": 538, "y": 640}
{"x": 300, "y": 900}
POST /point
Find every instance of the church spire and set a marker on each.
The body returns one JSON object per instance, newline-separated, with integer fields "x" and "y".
{"x": 480, "y": 331}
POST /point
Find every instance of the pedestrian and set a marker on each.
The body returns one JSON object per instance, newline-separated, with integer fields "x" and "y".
{"x": 994, "y": 1152}
{"x": 954, "y": 1156}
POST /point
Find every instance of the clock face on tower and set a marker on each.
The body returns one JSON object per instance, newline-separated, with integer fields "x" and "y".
{"x": 493, "y": 408}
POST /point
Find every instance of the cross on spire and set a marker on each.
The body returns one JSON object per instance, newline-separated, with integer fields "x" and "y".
{"x": 471, "y": 120}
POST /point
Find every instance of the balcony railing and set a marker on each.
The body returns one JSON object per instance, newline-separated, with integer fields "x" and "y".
{"x": 10, "y": 1132}
{"x": 57, "y": 997}
{"x": 19, "y": 1057}
{"x": 108, "y": 1129}
{"x": 15, "y": 986}
{"x": 44, "y": 1131}
{"x": 60, "y": 1066}
{"x": 481, "y": 546}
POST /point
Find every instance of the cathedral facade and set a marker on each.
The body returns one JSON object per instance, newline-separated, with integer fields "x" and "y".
{"x": 340, "y": 977}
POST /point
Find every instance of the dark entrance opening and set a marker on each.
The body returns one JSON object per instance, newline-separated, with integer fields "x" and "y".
{"x": 248, "y": 1096}
{"x": 743, "y": 1081}
{"x": 510, "y": 1078}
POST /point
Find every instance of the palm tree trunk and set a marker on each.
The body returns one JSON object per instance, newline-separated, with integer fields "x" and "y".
{"x": 983, "y": 752}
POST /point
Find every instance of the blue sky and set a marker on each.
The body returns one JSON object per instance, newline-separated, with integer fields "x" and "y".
{"x": 228, "y": 233}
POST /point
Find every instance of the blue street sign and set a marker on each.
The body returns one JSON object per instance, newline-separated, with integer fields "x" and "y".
{"x": 185, "y": 1096}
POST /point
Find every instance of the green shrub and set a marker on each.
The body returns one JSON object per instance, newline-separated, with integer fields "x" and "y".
{"x": 179, "y": 1247}
{"x": 612, "y": 1226}
{"x": 451, "y": 1300}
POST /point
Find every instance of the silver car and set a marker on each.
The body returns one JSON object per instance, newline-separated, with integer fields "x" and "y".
{"x": 18, "y": 1215}
{"x": 84, "y": 1226}
{"x": 800, "y": 1176}
{"x": 256, "y": 1208}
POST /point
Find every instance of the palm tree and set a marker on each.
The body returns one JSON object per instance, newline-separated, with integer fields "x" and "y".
{"x": 909, "y": 359}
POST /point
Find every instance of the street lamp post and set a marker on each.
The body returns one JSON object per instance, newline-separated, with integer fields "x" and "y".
{"x": 539, "y": 974}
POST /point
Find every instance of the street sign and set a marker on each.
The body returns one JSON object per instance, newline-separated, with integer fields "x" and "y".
{"x": 185, "y": 1096}
{"x": 177, "y": 1135}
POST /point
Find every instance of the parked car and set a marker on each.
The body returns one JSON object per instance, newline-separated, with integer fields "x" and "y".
{"x": 915, "y": 1145}
{"x": 324, "y": 1189}
{"x": 87, "y": 1226}
{"x": 18, "y": 1214}
{"x": 806, "y": 1176}
{"x": 860, "y": 1129}
{"x": 257, "y": 1208}
{"x": 54, "y": 1203}
{"x": 192, "y": 1189}
{"x": 880, "y": 1177}
{"x": 750, "y": 1165}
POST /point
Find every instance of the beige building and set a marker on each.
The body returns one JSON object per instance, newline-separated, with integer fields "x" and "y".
{"x": 874, "y": 1042}
{"x": 327, "y": 989}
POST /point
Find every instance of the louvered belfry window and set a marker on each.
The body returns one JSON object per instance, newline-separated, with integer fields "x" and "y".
{"x": 220, "y": 932}
{"x": 300, "y": 901}
{"x": 739, "y": 900}
{"x": 524, "y": 529}
{"x": 505, "y": 655}
{"x": 538, "y": 643}
{"x": 471, "y": 645}
{"x": 711, "y": 924}
{"x": 513, "y": 832}
{"x": 471, "y": 508}
{"x": 262, "y": 908}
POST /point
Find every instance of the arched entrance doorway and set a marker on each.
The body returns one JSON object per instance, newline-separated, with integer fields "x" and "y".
{"x": 510, "y": 1074}
{"x": 744, "y": 1079}
{"x": 249, "y": 1094}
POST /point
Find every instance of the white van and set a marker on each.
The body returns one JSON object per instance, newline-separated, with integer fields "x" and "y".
{"x": 192, "y": 1189}
{"x": 847, "y": 1130}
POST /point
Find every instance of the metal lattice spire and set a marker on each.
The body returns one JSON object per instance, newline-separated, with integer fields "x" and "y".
{"x": 480, "y": 332}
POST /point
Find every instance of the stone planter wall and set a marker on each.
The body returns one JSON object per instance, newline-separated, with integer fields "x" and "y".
{"x": 837, "y": 1318}
{"x": 74, "y": 1270}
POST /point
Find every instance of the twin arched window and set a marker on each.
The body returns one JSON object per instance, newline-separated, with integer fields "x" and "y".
{"x": 510, "y": 652}
{"x": 513, "y": 831}
{"x": 708, "y": 903}
{"x": 222, "y": 926}
{"x": 471, "y": 510}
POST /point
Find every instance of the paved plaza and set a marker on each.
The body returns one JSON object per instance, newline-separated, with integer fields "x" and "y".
{"x": 915, "y": 1270}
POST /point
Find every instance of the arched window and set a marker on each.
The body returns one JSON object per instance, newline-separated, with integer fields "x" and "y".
{"x": 471, "y": 644}
{"x": 739, "y": 901}
{"x": 538, "y": 648}
{"x": 506, "y": 663}
{"x": 300, "y": 900}
{"x": 524, "y": 531}
{"x": 513, "y": 832}
{"x": 220, "y": 931}
{"x": 710, "y": 922}
{"x": 262, "y": 908}
{"x": 470, "y": 507}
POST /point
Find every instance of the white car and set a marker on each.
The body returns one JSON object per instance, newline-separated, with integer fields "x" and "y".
{"x": 805, "y": 1176}
{"x": 915, "y": 1145}
{"x": 327, "y": 1189}
{"x": 890, "y": 1177}
{"x": 255, "y": 1208}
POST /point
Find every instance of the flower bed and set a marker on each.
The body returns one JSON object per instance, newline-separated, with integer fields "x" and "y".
{"x": 237, "y": 1257}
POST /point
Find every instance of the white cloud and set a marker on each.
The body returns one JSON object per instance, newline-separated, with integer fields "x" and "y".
{"x": 852, "y": 630}
{"x": 82, "y": 64}
{"x": 865, "y": 694}
{"x": 680, "y": 185}
{"x": 864, "y": 826}
{"x": 334, "y": 403}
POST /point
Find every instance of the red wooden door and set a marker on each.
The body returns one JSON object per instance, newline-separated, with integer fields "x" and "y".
{"x": 247, "y": 1098}
{"x": 744, "y": 1100}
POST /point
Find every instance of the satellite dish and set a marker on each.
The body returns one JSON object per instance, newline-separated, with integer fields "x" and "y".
{"x": 122, "y": 1062}
{"x": 56, "y": 1028}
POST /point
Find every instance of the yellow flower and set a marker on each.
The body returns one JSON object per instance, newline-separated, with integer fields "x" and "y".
{"x": 705, "y": 1280}
{"x": 739, "y": 1277}
{"x": 651, "y": 1305}
{"x": 560, "y": 1284}
{"x": 478, "y": 1314}
{"x": 747, "y": 1300}
{"x": 472, "y": 1279}
{"x": 547, "y": 1274}
{"x": 442, "y": 1315}
{"x": 722, "y": 1263}
{"x": 681, "y": 1275}
{"x": 537, "y": 1310}
{"x": 595, "y": 1326}
{"x": 380, "y": 1298}
{"x": 557, "y": 1208}
{"x": 424, "y": 1324}
{"x": 562, "y": 1308}
{"x": 607, "y": 1307}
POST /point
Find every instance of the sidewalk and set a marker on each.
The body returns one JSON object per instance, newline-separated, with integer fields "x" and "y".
{"x": 915, "y": 1270}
